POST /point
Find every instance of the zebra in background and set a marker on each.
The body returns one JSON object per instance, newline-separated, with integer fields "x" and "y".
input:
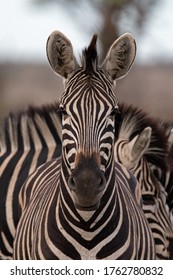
{"x": 27, "y": 140}
{"x": 84, "y": 205}
{"x": 166, "y": 176}
{"x": 140, "y": 142}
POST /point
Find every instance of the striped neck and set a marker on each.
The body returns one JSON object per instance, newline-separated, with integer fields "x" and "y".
{"x": 149, "y": 184}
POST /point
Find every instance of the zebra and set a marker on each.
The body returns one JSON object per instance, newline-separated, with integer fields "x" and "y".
{"x": 84, "y": 205}
{"x": 140, "y": 143}
{"x": 166, "y": 176}
{"x": 27, "y": 140}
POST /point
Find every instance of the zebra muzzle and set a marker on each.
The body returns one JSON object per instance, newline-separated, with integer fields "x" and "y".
{"x": 87, "y": 183}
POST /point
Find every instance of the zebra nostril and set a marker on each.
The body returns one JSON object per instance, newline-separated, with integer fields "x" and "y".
{"x": 71, "y": 183}
{"x": 102, "y": 184}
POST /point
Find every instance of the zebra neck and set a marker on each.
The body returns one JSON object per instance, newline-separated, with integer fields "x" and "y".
{"x": 149, "y": 184}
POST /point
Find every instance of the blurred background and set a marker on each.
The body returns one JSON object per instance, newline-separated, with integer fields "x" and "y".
{"x": 26, "y": 78}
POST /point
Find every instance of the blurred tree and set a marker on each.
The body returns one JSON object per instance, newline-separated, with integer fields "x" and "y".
{"x": 134, "y": 12}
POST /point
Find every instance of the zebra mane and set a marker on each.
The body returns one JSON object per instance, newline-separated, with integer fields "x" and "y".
{"x": 89, "y": 59}
{"x": 131, "y": 122}
{"x": 44, "y": 121}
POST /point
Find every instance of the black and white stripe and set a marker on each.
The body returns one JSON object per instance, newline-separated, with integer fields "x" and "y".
{"x": 52, "y": 228}
{"x": 84, "y": 205}
{"x": 166, "y": 176}
{"x": 28, "y": 139}
{"x": 139, "y": 154}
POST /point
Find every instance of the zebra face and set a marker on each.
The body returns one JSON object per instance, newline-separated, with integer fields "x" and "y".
{"x": 88, "y": 106}
{"x": 88, "y": 120}
{"x": 88, "y": 124}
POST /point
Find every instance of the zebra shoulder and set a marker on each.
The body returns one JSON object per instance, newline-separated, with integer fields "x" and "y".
{"x": 32, "y": 184}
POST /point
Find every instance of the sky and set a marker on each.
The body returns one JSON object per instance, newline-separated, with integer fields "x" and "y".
{"x": 24, "y": 30}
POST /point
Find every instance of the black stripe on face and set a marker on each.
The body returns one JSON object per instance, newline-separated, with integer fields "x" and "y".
{"x": 88, "y": 101}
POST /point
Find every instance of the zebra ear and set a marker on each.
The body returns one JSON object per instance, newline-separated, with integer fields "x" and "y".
{"x": 60, "y": 54}
{"x": 120, "y": 56}
{"x": 140, "y": 143}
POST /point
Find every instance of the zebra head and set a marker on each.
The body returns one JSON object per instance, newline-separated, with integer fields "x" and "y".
{"x": 129, "y": 152}
{"x": 88, "y": 107}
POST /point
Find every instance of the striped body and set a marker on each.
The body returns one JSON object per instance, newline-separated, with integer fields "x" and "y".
{"x": 166, "y": 176}
{"x": 166, "y": 179}
{"x": 52, "y": 228}
{"x": 155, "y": 209}
{"x": 27, "y": 140}
{"x": 152, "y": 152}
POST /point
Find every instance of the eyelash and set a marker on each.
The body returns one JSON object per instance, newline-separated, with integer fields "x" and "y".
{"x": 114, "y": 112}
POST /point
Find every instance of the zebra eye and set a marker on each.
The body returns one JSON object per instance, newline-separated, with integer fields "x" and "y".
{"x": 114, "y": 112}
{"x": 62, "y": 110}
